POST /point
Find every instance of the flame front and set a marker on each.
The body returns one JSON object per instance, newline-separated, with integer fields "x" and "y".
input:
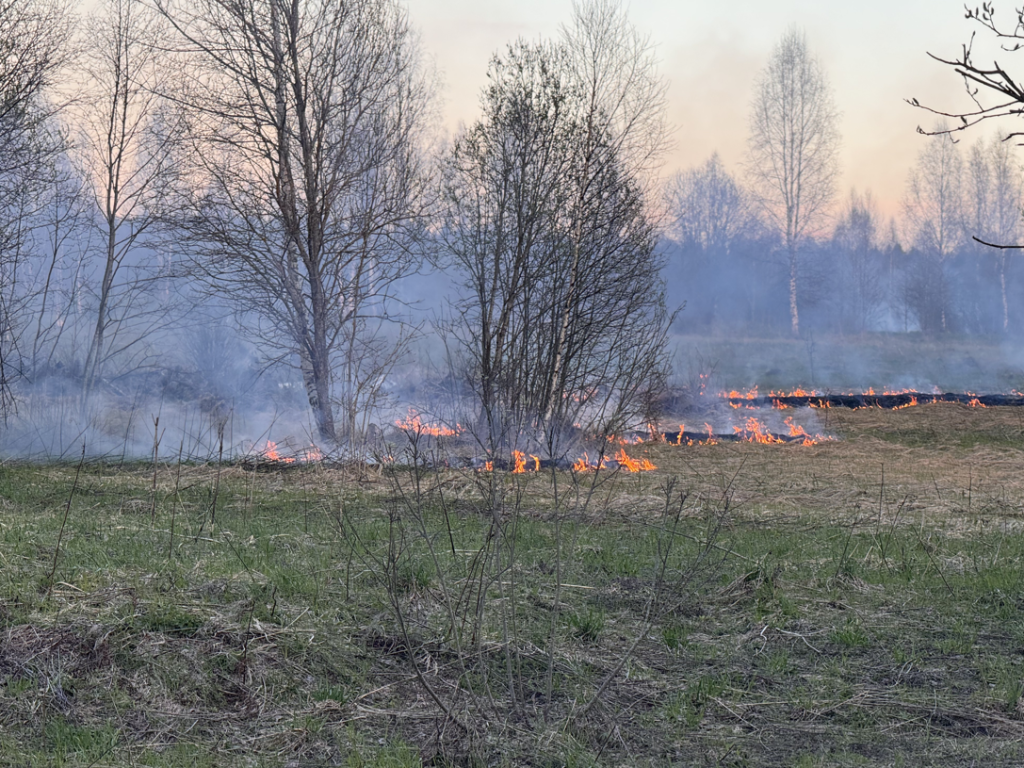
{"x": 756, "y": 432}
{"x": 795, "y": 430}
{"x": 271, "y": 452}
{"x": 519, "y": 458}
{"x": 413, "y": 423}
{"x": 631, "y": 464}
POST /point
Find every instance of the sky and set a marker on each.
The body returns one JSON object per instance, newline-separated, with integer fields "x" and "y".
{"x": 874, "y": 53}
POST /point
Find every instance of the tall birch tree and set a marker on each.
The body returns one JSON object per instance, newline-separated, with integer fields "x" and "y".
{"x": 792, "y": 153}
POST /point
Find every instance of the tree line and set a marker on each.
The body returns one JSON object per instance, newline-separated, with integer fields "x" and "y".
{"x": 928, "y": 269}
{"x": 771, "y": 247}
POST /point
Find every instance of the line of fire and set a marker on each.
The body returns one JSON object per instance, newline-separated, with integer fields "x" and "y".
{"x": 750, "y": 428}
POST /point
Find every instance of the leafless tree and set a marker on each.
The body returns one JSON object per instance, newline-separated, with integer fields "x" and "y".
{"x": 792, "y": 151}
{"x": 711, "y": 220}
{"x": 708, "y": 207}
{"x": 126, "y": 155}
{"x": 548, "y": 224}
{"x": 622, "y": 136}
{"x": 34, "y": 46}
{"x": 992, "y": 91}
{"x": 993, "y": 94}
{"x": 995, "y": 189}
{"x": 307, "y": 179}
{"x": 501, "y": 188}
{"x": 933, "y": 215}
{"x": 58, "y": 251}
{"x": 933, "y": 206}
{"x": 856, "y": 237}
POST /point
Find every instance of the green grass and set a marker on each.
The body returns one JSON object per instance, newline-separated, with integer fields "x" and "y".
{"x": 320, "y": 620}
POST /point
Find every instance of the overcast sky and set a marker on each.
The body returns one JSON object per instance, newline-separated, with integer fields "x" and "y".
{"x": 874, "y": 52}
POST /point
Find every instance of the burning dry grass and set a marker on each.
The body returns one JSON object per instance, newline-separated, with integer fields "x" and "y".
{"x": 950, "y": 462}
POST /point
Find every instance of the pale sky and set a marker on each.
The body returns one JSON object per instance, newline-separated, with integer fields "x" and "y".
{"x": 873, "y": 51}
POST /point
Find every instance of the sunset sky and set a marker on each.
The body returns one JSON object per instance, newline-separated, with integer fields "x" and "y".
{"x": 874, "y": 52}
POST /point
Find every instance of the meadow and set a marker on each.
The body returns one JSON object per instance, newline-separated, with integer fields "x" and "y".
{"x": 852, "y": 603}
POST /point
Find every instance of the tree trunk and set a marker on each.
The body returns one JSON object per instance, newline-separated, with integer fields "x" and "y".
{"x": 95, "y": 354}
{"x": 794, "y": 313}
{"x": 555, "y": 393}
{"x": 316, "y": 380}
{"x": 1002, "y": 288}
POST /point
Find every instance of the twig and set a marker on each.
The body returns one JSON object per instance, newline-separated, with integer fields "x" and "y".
{"x": 177, "y": 483}
{"x": 64, "y": 522}
{"x": 216, "y": 481}
{"x": 156, "y": 451}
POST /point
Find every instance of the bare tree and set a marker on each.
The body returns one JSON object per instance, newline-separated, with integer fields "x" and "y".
{"x": 307, "y": 178}
{"x": 933, "y": 215}
{"x": 1005, "y": 221}
{"x": 792, "y": 151}
{"x": 933, "y": 203}
{"x": 995, "y": 184}
{"x": 126, "y": 154}
{"x": 622, "y": 137}
{"x": 708, "y": 207}
{"x": 502, "y": 189}
{"x": 711, "y": 219}
{"x": 992, "y": 91}
{"x": 34, "y": 46}
{"x": 856, "y": 237}
{"x": 993, "y": 94}
{"x": 60, "y": 241}
{"x": 548, "y": 225}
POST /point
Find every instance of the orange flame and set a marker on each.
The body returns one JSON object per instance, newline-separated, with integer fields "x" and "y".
{"x": 798, "y": 392}
{"x": 271, "y": 453}
{"x": 750, "y": 394}
{"x": 520, "y": 462}
{"x": 795, "y": 430}
{"x": 756, "y": 432}
{"x": 413, "y": 423}
{"x": 585, "y": 464}
{"x": 631, "y": 464}
{"x": 690, "y": 442}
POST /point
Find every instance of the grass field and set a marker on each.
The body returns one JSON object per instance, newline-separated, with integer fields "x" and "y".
{"x": 854, "y": 603}
{"x": 836, "y": 363}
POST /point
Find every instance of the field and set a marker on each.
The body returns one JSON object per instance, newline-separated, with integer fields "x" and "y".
{"x": 835, "y": 363}
{"x": 853, "y": 603}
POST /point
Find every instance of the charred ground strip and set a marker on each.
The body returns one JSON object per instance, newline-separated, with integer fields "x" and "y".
{"x": 687, "y": 437}
{"x": 887, "y": 401}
